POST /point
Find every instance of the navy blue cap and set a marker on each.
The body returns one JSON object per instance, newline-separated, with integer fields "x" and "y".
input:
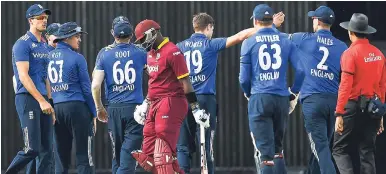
{"x": 122, "y": 29}
{"x": 36, "y": 10}
{"x": 120, "y": 19}
{"x": 67, "y": 30}
{"x": 324, "y": 14}
{"x": 52, "y": 28}
{"x": 262, "y": 12}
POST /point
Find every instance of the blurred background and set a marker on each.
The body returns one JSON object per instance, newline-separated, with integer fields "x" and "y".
{"x": 233, "y": 146}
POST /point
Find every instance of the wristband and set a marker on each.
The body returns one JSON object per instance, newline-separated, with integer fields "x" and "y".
{"x": 51, "y": 102}
{"x": 191, "y": 97}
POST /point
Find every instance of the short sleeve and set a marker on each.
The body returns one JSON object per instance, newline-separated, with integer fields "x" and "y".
{"x": 20, "y": 51}
{"x": 218, "y": 44}
{"x": 176, "y": 61}
{"x": 348, "y": 63}
{"x": 99, "y": 61}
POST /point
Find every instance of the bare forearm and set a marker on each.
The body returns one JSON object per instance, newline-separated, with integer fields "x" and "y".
{"x": 31, "y": 88}
{"x": 240, "y": 36}
{"x": 48, "y": 87}
{"x": 96, "y": 95}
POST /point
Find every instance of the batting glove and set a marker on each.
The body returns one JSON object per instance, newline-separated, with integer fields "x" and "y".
{"x": 141, "y": 112}
{"x": 201, "y": 116}
{"x": 293, "y": 100}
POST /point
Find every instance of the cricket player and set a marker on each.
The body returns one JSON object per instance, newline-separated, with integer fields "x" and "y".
{"x": 29, "y": 55}
{"x": 319, "y": 91}
{"x": 263, "y": 70}
{"x": 121, "y": 67}
{"x": 201, "y": 52}
{"x": 50, "y": 35}
{"x": 74, "y": 105}
{"x": 169, "y": 92}
{"x": 363, "y": 80}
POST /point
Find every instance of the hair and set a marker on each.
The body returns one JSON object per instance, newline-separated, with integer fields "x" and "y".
{"x": 321, "y": 23}
{"x": 266, "y": 23}
{"x": 360, "y": 35}
{"x": 201, "y": 21}
{"x": 124, "y": 38}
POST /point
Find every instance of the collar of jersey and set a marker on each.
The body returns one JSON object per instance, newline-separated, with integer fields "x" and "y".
{"x": 121, "y": 44}
{"x": 166, "y": 40}
{"x": 266, "y": 30}
{"x": 32, "y": 36}
{"x": 360, "y": 41}
{"x": 62, "y": 45}
{"x": 324, "y": 31}
{"x": 198, "y": 35}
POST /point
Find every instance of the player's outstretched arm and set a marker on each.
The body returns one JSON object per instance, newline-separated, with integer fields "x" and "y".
{"x": 240, "y": 36}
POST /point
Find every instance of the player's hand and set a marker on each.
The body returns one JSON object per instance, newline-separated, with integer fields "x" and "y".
{"x": 102, "y": 115}
{"x": 339, "y": 125}
{"x": 381, "y": 128}
{"x": 46, "y": 107}
{"x": 201, "y": 117}
{"x": 140, "y": 112}
{"x": 278, "y": 19}
{"x": 245, "y": 95}
{"x": 293, "y": 101}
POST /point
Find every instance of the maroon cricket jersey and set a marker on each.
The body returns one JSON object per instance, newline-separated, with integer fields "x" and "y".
{"x": 166, "y": 66}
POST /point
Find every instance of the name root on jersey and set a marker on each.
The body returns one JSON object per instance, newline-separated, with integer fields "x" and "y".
{"x": 322, "y": 74}
{"x": 269, "y": 76}
{"x": 197, "y": 78}
{"x": 58, "y": 88}
{"x": 121, "y": 88}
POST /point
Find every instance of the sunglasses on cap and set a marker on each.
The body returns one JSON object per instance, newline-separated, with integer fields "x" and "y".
{"x": 40, "y": 17}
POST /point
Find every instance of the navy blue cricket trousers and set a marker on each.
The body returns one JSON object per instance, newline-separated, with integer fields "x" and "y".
{"x": 74, "y": 122}
{"x": 319, "y": 122}
{"x": 37, "y": 134}
{"x": 268, "y": 115}
{"x": 190, "y": 135}
{"x": 125, "y": 136}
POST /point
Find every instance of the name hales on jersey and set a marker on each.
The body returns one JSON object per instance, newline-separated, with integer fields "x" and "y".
{"x": 193, "y": 44}
{"x": 268, "y": 38}
{"x": 324, "y": 40}
{"x": 320, "y": 72}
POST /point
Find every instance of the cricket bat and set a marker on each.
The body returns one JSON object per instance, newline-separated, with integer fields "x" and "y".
{"x": 204, "y": 166}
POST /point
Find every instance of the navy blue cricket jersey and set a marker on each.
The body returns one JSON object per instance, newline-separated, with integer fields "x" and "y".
{"x": 69, "y": 77}
{"x": 201, "y": 58}
{"x": 264, "y": 63}
{"x": 27, "y": 48}
{"x": 123, "y": 66}
{"x": 322, "y": 68}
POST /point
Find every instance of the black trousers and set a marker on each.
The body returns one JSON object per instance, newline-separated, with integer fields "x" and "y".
{"x": 360, "y": 131}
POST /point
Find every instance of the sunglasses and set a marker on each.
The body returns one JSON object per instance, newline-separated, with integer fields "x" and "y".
{"x": 40, "y": 17}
